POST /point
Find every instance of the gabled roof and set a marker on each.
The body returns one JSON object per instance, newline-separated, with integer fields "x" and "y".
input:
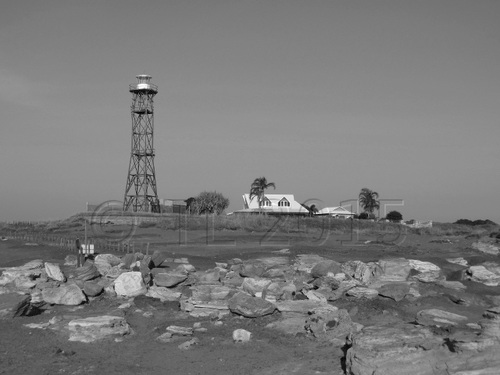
{"x": 253, "y": 204}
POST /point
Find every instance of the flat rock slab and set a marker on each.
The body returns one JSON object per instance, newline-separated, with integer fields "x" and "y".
{"x": 440, "y": 318}
{"x": 210, "y": 292}
{"x": 395, "y": 350}
{"x": 169, "y": 279}
{"x": 97, "y": 328}
{"x": 163, "y": 294}
{"x": 360, "y": 292}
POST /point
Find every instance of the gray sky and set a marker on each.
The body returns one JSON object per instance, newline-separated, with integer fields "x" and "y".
{"x": 321, "y": 97}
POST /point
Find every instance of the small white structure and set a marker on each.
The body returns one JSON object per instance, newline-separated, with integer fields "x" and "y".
{"x": 273, "y": 204}
{"x": 337, "y": 212}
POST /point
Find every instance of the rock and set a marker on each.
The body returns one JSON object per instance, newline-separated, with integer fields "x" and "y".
{"x": 492, "y": 312}
{"x": 169, "y": 279}
{"x": 114, "y": 272}
{"x": 397, "y": 269}
{"x": 422, "y": 266}
{"x": 360, "y": 292}
{"x": 185, "y": 268}
{"x": 252, "y": 270}
{"x": 158, "y": 258}
{"x": 315, "y": 295}
{"x": 290, "y": 309}
{"x": 68, "y": 294}
{"x": 324, "y": 268}
{"x": 306, "y": 262}
{"x": 482, "y": 275}
{"x": 87, "y": 272}
{"x": 427, "y": 277}
{"x": 440, "y": 318}
{"x": 92, "y": 288}
{"x": 456, "y": 285}
{"x": 291, "y": 326}
{"x": 180, "y": 331}
{"x": 459, "y": 261}
{"x": 358, "y": 271}
{"x": 395, "y": 350}
{"x": 276, "y": 272}
{"x": 209, "y": 277}
{"x": 29, "y": 270}
{"x": 241, "y": 335}
{"x": 97, "y": 328}
{"x": 71, "y": 260}
{"x": 212, "y": 309}
{"x": 250, "y": 307}
{"x": 130, "y": 284}
{"x": 188, "y": 344}
{"x": 128, "y": 260}
{"x": 255, "y": 286}
{"x": 54, "y": 272}
{"x": 395, "y": 291}
{"x": 485, "y": 247}
{"x": 163, "y": 294}
{"x": 329, "y": 324}
{"x": 111, "y": 259}
{"x": 210, "y": 292}
{"x": 14, "y": 304}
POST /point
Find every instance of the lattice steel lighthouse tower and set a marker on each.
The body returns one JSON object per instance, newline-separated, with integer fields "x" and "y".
{"x": 140, "y": 193}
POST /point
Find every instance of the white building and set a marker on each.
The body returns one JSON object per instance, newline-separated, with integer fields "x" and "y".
{"x": 273, "y": 204}
{"x": 338, "y": 212}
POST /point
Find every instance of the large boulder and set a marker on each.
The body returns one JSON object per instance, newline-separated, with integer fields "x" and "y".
{"x": 250, "y": 307}
{"x": 67, "y": 294}
{"x": 130, "y": 284}
{"x": 395, "y": 350}
{"x": 87, "y": 272}
{"x": 395, "y": 291}
{"x": 396, "y": 269}
{"x": 415, "y": 350}
{"x": 322, "y": 269}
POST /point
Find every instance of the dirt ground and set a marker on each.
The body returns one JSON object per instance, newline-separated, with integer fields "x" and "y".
{"x": 36, "y": 351}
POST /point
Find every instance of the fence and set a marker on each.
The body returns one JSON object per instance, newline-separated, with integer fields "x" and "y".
{"x": 70, "y": 243}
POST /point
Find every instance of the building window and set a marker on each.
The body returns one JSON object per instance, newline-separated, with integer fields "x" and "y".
{"x": 284, "y": 203}
{"x": 266, "y": 202}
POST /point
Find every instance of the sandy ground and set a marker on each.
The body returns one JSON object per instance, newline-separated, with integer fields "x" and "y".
{"x": 36, "y": 351}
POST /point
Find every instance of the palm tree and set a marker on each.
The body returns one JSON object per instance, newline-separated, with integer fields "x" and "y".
{"x": 368, "y": 200}
{"x": 259, "y": 185}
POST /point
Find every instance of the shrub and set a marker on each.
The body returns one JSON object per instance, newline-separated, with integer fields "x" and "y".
{"x": 394, "y": 216}
{"x": 366, "y": 216}
{"x": 209, "y": 202}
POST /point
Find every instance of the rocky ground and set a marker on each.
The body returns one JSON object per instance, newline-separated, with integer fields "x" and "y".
{"x": 428, "y": 306}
